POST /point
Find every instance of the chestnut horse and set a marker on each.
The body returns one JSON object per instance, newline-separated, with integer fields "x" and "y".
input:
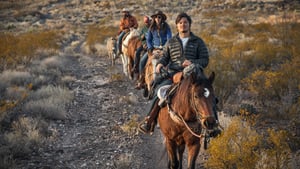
{"x": 150, "y": 68}
{"x": 188, "y": 118}
{"x": 133, "y": 44}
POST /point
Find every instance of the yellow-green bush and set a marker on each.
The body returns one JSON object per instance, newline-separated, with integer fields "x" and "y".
{"x": 235, "y": 148}
{"x": 16, "y": 49}
{"x": 264, "y": 84}
{"x": 97, "y": 34}
{"x": 241, "y": 147}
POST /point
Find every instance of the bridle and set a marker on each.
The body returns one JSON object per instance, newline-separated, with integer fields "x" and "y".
{"x": 178, "y": 117}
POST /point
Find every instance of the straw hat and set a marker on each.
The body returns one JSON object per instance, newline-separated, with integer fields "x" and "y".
{"x": 125, "y": 10}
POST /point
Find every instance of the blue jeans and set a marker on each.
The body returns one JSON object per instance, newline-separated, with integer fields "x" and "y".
{"x": 137, "y": 57}
{"x": 143, "y": 62}
{"x": 119, "y": 41}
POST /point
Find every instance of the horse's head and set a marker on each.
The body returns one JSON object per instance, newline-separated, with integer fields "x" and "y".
{"x": 202, "y": 99}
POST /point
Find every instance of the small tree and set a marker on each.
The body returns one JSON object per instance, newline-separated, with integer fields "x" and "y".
{"x": 277, "y": 153}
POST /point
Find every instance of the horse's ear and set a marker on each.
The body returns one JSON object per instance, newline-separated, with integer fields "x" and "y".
{"x": 211, "y": 77}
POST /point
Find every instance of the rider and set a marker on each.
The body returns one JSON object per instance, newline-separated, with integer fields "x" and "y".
{"x": 158, "y": 34}
{"x": 143, "y": 35}
{"x": 128, "y": 21}
{"x": 181, "y": 52}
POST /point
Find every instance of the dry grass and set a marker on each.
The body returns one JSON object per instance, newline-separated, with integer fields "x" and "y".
{"x": 20, "y": 49}
{"x": 131, "y": 126}
{"x": 49, "y": 102}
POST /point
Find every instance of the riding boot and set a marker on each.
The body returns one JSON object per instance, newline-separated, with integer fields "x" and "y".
{"x": 149, "y": 123}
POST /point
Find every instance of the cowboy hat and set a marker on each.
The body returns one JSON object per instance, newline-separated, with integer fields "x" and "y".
{"x": 125, "y": 10}
{"x": 158, "y": 12}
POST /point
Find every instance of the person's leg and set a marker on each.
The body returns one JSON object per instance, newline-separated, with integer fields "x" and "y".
{"x": 141, "y": 80}
{"x": 143, "y": 62}
{"x": 151, "y": 118}
{"x": 137, "y": 58}
{"x": 119, "y": 42}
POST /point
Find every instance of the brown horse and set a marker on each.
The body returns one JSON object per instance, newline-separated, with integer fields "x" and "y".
{"x": 188, "y": 118}
{"x": 150, "y": 68}
{"x": 133, "y": 44}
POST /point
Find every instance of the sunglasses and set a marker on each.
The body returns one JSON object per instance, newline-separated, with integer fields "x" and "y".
{"x": 159, "y": 17}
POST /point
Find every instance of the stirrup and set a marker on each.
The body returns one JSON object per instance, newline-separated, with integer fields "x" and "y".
{"x": 144, "y": 122}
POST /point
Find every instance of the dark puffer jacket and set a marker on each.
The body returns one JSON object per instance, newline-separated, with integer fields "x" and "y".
{"x": 174, "y": 55}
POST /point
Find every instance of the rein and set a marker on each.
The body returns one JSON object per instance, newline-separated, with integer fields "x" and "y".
{"x": 179, "y": 118}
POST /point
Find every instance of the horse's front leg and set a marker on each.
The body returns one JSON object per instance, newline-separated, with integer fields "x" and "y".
{"x": 172, "y": 156}
{"x": 193, "y": 151}
{"x": 124, "y": 64}
{"x": 180, "y": 154}
{"x": 130, "y": 68}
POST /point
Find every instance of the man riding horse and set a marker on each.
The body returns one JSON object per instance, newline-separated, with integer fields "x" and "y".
{"x": 128, "y": 21}
{"x": 181, "y": 51}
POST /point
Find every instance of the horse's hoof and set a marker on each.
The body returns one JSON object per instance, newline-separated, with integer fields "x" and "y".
{"x": 215, "y": 133}
{"x": 138, "y": 86}
{"x": 145, "y": 93}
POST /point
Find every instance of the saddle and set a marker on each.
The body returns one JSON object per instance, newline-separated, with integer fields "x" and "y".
{"x": 166, "y": 93}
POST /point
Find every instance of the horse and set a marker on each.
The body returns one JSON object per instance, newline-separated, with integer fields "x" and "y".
{"x": 111, "y": 46}
{"x": 150, "y": 68}
{"x": 187, "y": 118}
{"x": 133, "y": 44}
{"x": 124, "y": 56}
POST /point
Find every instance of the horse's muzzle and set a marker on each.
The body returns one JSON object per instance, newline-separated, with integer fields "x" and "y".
{"x": 211, "y": 127}
{"x": 209, "y": 123}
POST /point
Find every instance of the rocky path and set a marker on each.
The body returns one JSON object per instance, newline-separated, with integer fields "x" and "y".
{"x": 95, "y": 134}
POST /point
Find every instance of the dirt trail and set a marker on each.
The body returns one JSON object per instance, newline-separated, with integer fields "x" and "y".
{"x": 93, "y": 135}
